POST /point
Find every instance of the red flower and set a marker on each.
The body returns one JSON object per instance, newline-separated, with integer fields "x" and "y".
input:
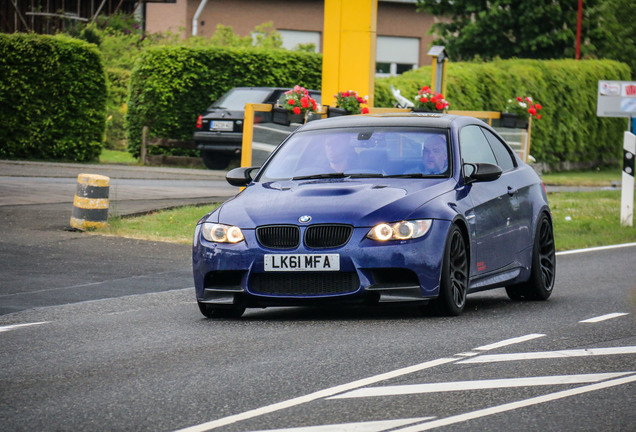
{"x": 365, "y": 110}
{"x": 291, "y": 102}
{"x": 304, "y": 102}
{"x": 519, "y": 98}
{"x": 539, "y": 116}
{"x": 532, "y": 111}
{"x": 423, "y": 100}
{"x": 439, "y": 105}
{"x": 296, "y": 110}
{"x": 538, "y": 106}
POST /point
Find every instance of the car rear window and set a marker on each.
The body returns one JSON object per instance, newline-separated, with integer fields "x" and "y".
{"x": 236, "y": 99}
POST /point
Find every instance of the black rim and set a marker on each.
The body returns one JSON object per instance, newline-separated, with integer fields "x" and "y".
{"x": 546, "y": 254}
{"x": 458, "y": 269}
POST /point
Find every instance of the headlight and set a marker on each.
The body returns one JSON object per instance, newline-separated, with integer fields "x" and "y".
{"x": 220, "y": 233}
{"x": 404, "y": 230}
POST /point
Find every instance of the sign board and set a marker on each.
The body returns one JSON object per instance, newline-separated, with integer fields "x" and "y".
{"x": 616, "y": 99}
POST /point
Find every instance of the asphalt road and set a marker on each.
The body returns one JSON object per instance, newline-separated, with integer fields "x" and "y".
{"x": 43, "y": 262}
{"x": 152, "y": 362}
{"x": 122, "y": 346}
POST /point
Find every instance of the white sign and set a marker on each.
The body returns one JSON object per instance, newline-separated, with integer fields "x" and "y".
{"x": 616, "y": 99}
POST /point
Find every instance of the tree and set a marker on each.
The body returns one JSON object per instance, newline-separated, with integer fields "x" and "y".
{"x": 616, "y": 32}
{"x": 540, "y": 29}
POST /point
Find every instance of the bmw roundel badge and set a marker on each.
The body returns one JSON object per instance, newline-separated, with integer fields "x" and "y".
{"x": 304, "y": 219}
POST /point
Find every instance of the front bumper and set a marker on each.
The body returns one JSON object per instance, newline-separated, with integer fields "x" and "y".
{"x": 394, "y": 271}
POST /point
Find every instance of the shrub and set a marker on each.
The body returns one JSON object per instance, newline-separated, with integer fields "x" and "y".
{"x": 52, "y": 98}
{"x": 171, "y": 85}
{"x": 569, "y": 129}
{"x": 116, "y": 108}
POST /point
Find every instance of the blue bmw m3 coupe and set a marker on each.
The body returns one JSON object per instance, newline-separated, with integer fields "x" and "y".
{"x": 378, "y": 208}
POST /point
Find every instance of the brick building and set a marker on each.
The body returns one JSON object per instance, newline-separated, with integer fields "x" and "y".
{"x": 402, "y": 39}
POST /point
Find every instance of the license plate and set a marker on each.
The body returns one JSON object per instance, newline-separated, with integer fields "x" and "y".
{"x": 302, "y": 262}
{"x": 221, "y": 125}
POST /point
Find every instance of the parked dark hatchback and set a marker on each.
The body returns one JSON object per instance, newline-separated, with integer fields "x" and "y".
{"x": 219, "y": 130}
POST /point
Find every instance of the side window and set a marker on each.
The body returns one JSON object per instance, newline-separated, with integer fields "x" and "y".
{"x": 504, "y": 158}
{"x": 474, "y": 146}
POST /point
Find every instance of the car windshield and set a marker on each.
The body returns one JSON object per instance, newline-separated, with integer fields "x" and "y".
{"x": 236, "y": 98}
{"x": 361, "y": 152}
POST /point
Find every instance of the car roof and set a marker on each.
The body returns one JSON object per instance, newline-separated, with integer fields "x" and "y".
{"x": 270, "y": 88}
{"x": 406, "y": 119}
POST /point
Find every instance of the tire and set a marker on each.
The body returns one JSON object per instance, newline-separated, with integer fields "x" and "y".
{"x": 215, "y": 160}
{"x": 210, "y": 311}
{"x": 543, "y": 271}
{"x": 454, "y": 280}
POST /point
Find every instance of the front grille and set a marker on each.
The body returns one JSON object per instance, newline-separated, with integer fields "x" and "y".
{"x": 304, "y": 283}
{"x": 327, "y": 236}
{"x": 278, "y": 236}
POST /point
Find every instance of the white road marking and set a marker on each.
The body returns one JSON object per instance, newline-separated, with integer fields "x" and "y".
{"x": 594, "y": 249}
{"x": 372, "y": 426}
{"x": 516, "y": 405}
{"x": 321, "y": 394}
{"x": 468, "y": 354}
{"x": 604, "y": 317}
{"x": 479, "y": 385}
{"x": 507, "y": 342}
{"x": 492, "y": 358}
{"x": 15, "y": 326}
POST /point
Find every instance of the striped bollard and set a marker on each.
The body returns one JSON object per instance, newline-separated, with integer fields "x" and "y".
{"x": 627, "y": 187}
{"x": 90, "y": 204}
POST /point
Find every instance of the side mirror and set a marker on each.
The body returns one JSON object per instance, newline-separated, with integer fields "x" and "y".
{"x": 481, "y": 172}
{"x": 241, "y": 176}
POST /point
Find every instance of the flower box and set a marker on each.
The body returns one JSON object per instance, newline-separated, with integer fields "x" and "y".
{"x": 424, "y": 110}
{"x": 337, "y": 112}
{"x": 284, "y": 116}
{"x": 509, "y": 120}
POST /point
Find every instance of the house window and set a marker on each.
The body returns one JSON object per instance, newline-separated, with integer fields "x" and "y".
{"x": 396, "y": 55}
{"x": 293, "y": 38}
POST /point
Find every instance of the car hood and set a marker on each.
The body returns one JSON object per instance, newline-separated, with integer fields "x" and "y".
{"x": 358, "y": 202}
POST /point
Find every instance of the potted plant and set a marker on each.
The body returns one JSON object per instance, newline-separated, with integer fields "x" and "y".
{"x": 297, "y": 104}
{"x": 348, "y": 102}
{"x": 427, "y": 100}
{"x": 518, "y": 111}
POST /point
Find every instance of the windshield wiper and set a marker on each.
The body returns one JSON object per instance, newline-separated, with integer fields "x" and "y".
{"x": 412, "y": 175}
{"x": 321, "y": 176}
{"x": 339, "y": 175}
{"x": 366, "y": 175}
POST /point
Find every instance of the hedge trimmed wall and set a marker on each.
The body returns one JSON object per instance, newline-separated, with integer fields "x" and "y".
{"x": 569, "y": 129}
{"x": 170, "y": 86}
{"x": 52, "y": 98}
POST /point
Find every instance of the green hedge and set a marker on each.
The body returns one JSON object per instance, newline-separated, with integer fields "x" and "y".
{"x": 52, "y": 98}
{"x": 171, "y": 85}
{"x": 569, "y": 129}
{"x": 116, "y": 107}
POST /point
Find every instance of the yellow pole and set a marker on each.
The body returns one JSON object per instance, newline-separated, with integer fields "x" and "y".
{"x": 248, "y": 134}
{"x": 349, "y": 39}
